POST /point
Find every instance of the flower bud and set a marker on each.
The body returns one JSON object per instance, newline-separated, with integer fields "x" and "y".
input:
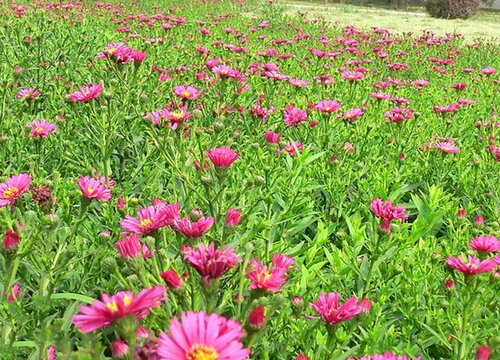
{"x": 233, "y": 217}
{"x": 119, "y": 348}
{"x": 172, "y": 279}
{"x": 257, "y": 317}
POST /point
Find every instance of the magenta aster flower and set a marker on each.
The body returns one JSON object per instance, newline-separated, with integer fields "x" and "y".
{"x": 398, "y": 114}
{"x": 199, "y": 336}
{"x": 272, "y": 137}
{"x": 28, "y": 94}
{"x": 10, "y": 240}
{"x": 94, "y": 189}
{"x": 86, "y": 93}
{"x": 293, "y": 116}
{"x": 269, "y": 279}
{"x": 353, "y": 75}
{"x": 151, "y": 218}
{"x": 447, "y": 147}
{"x": 211, "y": 263}
{"x": 222, "y": 157}
{"x": 474, "y": 266}
{"x": 177, "y": 118}
{"x": 485, "y": 244}
{"x": 193, "y": 229}
{"x": 332, "y": 312}
{"x": 129, "y": 247}
{"x": 291, "y": 148}
{"x": 186, "y": 92}
{"x": 233, "y": 217}
{"x": 103, "y": 313}
{"x": 353, "y": 114}
{"x": 385, "y": 356}
{"x": 387, "y": 212}
{"x": 41, "y": 128}
{"x": 14, "y": 187}
{"x": 327, "y": 106}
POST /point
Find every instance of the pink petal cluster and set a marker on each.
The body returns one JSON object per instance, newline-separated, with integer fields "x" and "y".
{"x": 186, "y": 92}
{"x": 41, "y": 128}
{"x": 327, "y": 106}
{"x": 13, "y": 188}
{"x": 385, "y": 356}
{"x": 151, "y": 218}
{"x": 222, "y": 157}
{"x": 28, "y": 94}
{"x": 202, "y": 336}
{"x": 129, "y": 247}
{"x": 94, "y": 188}
{"x": 211, "y": 263}
{"x": 398, "y": 114}
{"x": 293, "y": 116}
{"x": 233, "y": 217}
{"x": 447, "y": 147}
{"x": 387, "y": 212}
{"x": 269, "y": 279}
{"x": 103, "y": 313}
{"x": 330, "y": 309}
{"x": 485, "y": 244}
{"x": 86, "y": 93}
{"x": 121, "y": 53}
{"x": 193, "y": 229}
{"x": 473, "y": 266}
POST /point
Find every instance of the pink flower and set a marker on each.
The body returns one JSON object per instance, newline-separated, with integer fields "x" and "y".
{"x": 332, "y": 312}
{"x": 294, "y": 116}
{"x": 171, "y": 278}
{"x": 387, "y": 212}
{"x": 193, "y": 229}
{"x": 10, "y": 240}
{"x": 473, "y": 267}
{"x": 13, "y": 295}
{"x": 262, "y": 278}
{"x": 479, "y": 220}
{"x": 186, "y": 92}
{"x": 41, "y": 128}
{"x": 483, "y": 352}
{"x": 488, "y": 70}
{"x": 200, "y": 336}
{"x": 211, "y": 263}
{"x": 385, "y": 356}
{"x": 129, "y": 247}
{"x": 485, "y": 244}
{"x": 233, "y": 217}
{"x": 398, "y": 115}
{"x": 151, "y": 218}
{"x": 292, "y": 148}
{"x": 177, "y": 118}
{"x": 462, "y": 213}
{"x": 94, "y": 189}
{"x": 119, "y": 348}
{"x": 272, "y": 137}
{"x": 302, "y": 357}
{"x": 51, "y": 353}
{"x": 257, "y": 317}
{"x": 14, "y": 187}
{"x": 447, "y": 147}
{"x": 86, "y": 93}
{"x": 222, "y": 157}
{"x": 327, "y": 106}
{"x": 103, "y": 313}
{"x": 353, "y": 114}
{"x": 28, "y": 94}
{"x": 353, "y": 75}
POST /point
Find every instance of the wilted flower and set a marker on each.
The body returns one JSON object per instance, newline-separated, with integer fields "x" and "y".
{"x": 103, "y": 313}
{"x": 201, "y": 336}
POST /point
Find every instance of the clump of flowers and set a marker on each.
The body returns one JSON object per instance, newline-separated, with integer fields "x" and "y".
{"x": 387, "y": 212}
{"x": 331, "y": 311}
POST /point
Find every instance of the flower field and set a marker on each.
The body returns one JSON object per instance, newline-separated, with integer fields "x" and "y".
{"x": 216, "y": 181}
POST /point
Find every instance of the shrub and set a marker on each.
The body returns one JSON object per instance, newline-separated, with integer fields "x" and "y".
{"x": 452, "y": 9}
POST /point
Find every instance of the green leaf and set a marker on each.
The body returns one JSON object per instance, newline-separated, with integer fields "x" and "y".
{"x": 72, "y": 296}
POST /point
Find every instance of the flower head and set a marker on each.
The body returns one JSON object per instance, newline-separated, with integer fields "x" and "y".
{"x": 10, "y": 240}
{"x": 171, "y": 278}
{"x": 86, "y": 93}
{"x": 28, "y": 94}
{"x": 186, "y": 92}
{"x": 151, "y": 218}
{"x": 129, "y": 247}
{"x": 212, "y": 263}
{"x": 485, "y": 244}
{"x": 387, "y": 212}
{"x": 199, "y": 336}
{"x": 474, "y": 266}
{"x": 293, "y": 116}
{"x": 14, "y": 187}
{"x": 327, "y": 106}
{"x": 222, "y": 157}
{"x": 257, "y": 317}
{"x": 332, "y": 311}
{"x": 124, "y": 303}
{"x": 272, "y": 137}
{"x": 269, "y": 279}
{"x": 447, "y": 147}
{"x": 385, "y": 356}
{"x": 41, "y": 128}
{"x": 94, "y": 189}
{"x": 193, "y": 229}
{"x": 233, "y": 217}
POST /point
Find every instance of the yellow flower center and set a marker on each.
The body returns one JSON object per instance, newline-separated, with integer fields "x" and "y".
{"x": 113, "y": 307}
{"x": 39, "y": 130}
{"x": 10, "y": 192}
{"x": 200, "y": 352}
{"x": 328, "y": 108}
{"x": 145, "y": 223}
{"x": 186, "y": 93}
{"x": 264, "y": 276}
{"x": 90, "y": 190}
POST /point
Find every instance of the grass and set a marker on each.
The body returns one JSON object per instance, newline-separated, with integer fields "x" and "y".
{"x": 485, "y": 24}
